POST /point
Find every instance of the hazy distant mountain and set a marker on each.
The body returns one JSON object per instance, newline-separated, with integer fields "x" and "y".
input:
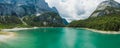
{"x": 107, "y": 7}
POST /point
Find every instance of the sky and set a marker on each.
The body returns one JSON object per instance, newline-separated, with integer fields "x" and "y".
{"x": 75, "y": 9}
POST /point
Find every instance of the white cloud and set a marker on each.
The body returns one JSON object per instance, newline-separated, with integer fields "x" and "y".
{"x": 75, "y": 9}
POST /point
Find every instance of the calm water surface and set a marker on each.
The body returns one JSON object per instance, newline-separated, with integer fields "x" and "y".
{"x": 61, "y": 38}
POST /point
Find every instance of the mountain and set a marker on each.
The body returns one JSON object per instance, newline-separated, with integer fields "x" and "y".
{"x": 27, "y": 7}
{"x": 49, "y": 19}
{"x": 65, "y": 21}
{"x": 106, "y": 17}
{"x": 106, "y": 8}
{"x": 29, "y": 12}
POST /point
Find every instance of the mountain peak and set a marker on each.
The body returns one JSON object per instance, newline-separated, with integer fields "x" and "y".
{"x": 108, "y": 3}
{"x": 29, "y": 12}
{"x": 107, "y": 7}
{"x": 26, "y": 7}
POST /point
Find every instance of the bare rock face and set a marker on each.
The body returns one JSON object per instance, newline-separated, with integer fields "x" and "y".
{"x": 107, "y": 7}
{"x": 27, "y": 7}
{"x": 37, "y": 10}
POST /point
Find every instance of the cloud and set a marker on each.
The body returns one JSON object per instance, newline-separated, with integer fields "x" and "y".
{"x": 75, "y": 9}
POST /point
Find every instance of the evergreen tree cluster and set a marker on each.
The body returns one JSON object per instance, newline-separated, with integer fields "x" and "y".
{"x": 109, "y": 22}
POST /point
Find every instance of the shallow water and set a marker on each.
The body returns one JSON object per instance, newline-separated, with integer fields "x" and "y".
{"x": 61, "y": 38}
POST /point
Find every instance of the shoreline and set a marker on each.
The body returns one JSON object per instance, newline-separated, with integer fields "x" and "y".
{"x": 94, "y": 30}
{"x": 103, "y": 32}
{"x": 4, "y": 36}
{"x": 16, "y": 29}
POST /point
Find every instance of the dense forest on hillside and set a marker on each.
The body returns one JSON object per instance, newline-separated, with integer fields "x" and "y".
{"x": 48, "y": 19}
{"x": 108, "y": 23}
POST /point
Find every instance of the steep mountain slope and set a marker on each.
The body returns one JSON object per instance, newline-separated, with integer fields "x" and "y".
{"x": 107, "y": 7}
{"x": 25, "y": 6}
{"x": 50, "y": 19}
{"x": 33, "y": 9}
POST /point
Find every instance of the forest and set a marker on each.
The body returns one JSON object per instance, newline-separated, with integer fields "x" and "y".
{"x": 109, "y": 22}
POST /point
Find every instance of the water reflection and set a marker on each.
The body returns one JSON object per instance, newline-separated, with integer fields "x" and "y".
{"x": 78, "y": 38}
{"x": 70, "y": 37}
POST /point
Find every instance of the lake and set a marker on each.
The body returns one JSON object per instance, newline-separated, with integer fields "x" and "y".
{"x": 61, "y": 38}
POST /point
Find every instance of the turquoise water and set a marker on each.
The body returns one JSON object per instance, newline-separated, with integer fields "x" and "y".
{"x": 61, "y": 38}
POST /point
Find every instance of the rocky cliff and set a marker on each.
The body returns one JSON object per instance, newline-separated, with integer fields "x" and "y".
{"x": 35, "y": 10}
{"x": 106, "y": 8}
